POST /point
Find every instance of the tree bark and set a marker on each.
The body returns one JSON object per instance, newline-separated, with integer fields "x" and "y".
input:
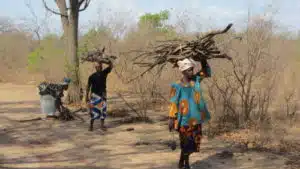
{"x": 62, "y": 6}
{"x": 73, "y": 61}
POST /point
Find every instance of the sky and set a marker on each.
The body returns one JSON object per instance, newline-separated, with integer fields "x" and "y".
{"x": 199, "y": 15}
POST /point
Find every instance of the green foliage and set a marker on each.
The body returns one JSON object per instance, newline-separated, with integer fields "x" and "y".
{"x": 50, "y": 48}
{"x": 34, "y": 58}
{"x": 154, "y": 20}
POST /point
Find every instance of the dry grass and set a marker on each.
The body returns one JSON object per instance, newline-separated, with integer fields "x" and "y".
{"x": 52, "y": 144}
{"x": 258, "y": 91}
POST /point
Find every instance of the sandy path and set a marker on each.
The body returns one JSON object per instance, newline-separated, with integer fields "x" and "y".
{"x": 52, "y": 144}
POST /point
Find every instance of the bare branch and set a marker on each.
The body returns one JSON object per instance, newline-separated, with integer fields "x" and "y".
{"x": 37, "y": 29}
{"x": 212, "y": 34}
{"x": 51, "y": 10}
{"x": 86, "y": 4}
{"x": 80, "y": 2}
{"x": 28, "y": 4}
{"x": 128, "y": 104}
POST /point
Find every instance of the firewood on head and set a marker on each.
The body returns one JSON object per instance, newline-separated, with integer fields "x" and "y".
{"x": 98, "y": 56}
{"x": 202, "y": 48}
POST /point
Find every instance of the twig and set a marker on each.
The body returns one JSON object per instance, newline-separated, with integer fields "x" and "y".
{"x": 86, "y": 4}
{"x": 130, "y": 106}
{"x": 51, "y": 10}
{"x": 75, "y": 115}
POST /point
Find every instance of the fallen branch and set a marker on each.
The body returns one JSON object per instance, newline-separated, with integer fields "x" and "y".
{"x": 30, "y": 120}
{"x": 77, "y": 116}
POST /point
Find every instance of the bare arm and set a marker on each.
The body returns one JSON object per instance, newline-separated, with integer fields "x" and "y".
{"x": 109, "y": 68}
{"x": 110, "y": 64}
{"x": 88, "y": 87}
{"x": 205, "y": 71}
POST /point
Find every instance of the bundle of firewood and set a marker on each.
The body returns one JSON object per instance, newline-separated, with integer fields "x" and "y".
{"x": 65, "y": 114}
{"x": 174, "y": 50}
{"x": 97, "y": 56}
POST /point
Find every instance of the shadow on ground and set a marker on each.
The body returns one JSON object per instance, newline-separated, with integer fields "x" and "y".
{"x": 79, "y": 167}
{"x": 20, "y": 107}
{"x": 35, "y": 102}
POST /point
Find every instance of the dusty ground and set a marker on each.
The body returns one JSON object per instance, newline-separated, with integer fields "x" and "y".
{"x": 52, "y": 144}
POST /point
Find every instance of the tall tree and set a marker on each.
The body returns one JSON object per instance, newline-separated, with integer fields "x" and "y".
{"x": 69, "y": 15}
{"x": 154, "y": 20}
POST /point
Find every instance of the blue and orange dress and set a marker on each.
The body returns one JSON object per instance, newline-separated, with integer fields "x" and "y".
{"x": 98, "y": 107}
{"x": 189, "y": 110}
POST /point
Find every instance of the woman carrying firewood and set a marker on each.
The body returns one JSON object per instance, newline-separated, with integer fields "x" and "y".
{"x": 188, "y": 110}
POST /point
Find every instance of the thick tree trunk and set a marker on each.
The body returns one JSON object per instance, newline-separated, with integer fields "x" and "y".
{"x": 73, "y": 60}
{"x": 62, "y": 6}
{"x": 69, "y": 20}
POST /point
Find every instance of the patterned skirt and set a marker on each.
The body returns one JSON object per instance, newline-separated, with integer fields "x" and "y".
{"x": 98, "y": 107}
{"x": 190, "y": 138}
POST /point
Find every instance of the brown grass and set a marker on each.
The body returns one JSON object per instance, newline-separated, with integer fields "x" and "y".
{"x": 257, "y": 91}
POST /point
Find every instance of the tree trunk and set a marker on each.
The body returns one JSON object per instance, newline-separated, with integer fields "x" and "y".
{"x": 69, "y": 20}
{"x": 62, "y": 6}
{"x": 73, "y": 60}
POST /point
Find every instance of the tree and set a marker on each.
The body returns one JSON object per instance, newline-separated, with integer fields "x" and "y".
{"x": 155, "y": 22}
{"x": 34, "y": 24}
{"x": 69, "y": 20}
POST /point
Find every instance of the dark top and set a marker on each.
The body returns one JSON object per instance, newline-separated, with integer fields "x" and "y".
{"x": 97, "y": 81}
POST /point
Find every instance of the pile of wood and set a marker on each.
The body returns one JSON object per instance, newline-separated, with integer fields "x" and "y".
{"x": 65, "y": 114}
{"x": 97, "y": 56}
{"x": 172, "y": 51}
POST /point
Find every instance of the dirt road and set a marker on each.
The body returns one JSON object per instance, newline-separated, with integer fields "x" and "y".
{"x": 52, "y": 144}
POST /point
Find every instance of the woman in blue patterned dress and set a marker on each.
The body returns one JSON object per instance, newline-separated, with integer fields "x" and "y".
{"x": 188, "y": 109}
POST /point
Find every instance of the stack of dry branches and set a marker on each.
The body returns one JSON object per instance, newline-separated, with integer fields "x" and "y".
{"x": 65, "y": 114}
{"x": 98, "y": 56}
{"x": 174, "y": 50}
